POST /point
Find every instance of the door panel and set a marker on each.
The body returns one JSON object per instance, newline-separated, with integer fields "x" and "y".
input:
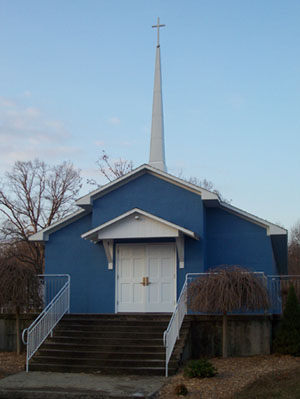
{"x": 161, "y": 269}
{"x": 130, "y": 271}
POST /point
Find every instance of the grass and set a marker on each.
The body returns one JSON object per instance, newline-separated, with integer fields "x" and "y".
{"x": 284, "y": 385}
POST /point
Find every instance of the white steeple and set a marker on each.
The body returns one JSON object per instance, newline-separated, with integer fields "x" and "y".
{"x": 157, "y": 145}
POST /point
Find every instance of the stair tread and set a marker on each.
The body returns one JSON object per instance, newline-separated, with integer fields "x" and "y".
{"x": 87, "y": 362}
{"x": 105, "y": 346}
{"x": 73, "y": 358}
{"x": 97, "y": 368}
{"x": 96, "y": 352}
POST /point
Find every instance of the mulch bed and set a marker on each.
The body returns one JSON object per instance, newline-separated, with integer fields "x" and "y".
{"x": 11, "y": 363}
{"x": 234, "y": 374}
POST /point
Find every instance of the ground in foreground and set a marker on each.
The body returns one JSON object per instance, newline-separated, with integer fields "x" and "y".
{"x": 260, "y": 377}
{"x": 234, "y": 375}
{"x": 11, "y": 363}
{"x": 280, "y": 385}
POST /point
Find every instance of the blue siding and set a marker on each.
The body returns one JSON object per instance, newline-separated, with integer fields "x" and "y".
{"x": 233, "y": 240}
{"x": 92, "y": 284}
{"x": 224, "y": 239}
{"x": 193, "y": 260}
{"x": 280, "y": 249}
{"x": 155, "y": 196}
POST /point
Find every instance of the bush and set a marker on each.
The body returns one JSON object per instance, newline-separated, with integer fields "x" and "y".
{"x": 201, "y": 368}
{"x": 181, "y": 389}
{"x": 287, "y": 339}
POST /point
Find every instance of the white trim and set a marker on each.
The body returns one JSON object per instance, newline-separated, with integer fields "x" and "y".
{"x": 272, "y": 229}
{"x": 180, "y": 250}
{"x": 43, "y": 235}
{"x": 93, "y": 234}
{"x": 109, "y": 251}
{"x": 116, "y": 278}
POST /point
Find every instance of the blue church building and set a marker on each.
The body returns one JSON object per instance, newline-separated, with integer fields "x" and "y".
{"x": 131, "y": 243}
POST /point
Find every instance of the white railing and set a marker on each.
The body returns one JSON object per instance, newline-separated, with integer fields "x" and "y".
{"x": 44, "y": 324}
{"x": 172, "y": 332}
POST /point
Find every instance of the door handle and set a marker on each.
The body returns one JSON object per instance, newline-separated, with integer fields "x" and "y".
{"x": 145, "y": 281}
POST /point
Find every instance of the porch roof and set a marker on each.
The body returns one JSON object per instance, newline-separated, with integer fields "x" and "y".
{"x": 136, "y": 224}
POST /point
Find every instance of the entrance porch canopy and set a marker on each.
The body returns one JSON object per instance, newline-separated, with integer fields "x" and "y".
{"x": 136, "y": 224}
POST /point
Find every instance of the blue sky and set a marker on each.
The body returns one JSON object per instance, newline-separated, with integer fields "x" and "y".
{"x": 76, "y": 77}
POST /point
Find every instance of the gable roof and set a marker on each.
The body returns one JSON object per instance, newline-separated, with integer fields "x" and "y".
{"x": 136, "y": 223}
{"x": 209, "y": 198}
{"x": 86, "y": 201}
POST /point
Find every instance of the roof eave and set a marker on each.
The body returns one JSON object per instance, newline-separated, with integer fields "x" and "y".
{"x": 272, "y": 229}
{"x": 43, "y": 235}
{"x": 92, "y": 234}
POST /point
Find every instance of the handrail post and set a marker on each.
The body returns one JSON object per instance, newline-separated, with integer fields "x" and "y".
{"x": 167, "y": 362}
{"x": 69, "y": 303}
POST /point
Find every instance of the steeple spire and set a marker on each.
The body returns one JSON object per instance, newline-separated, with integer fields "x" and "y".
{"x": 157, "y": 145}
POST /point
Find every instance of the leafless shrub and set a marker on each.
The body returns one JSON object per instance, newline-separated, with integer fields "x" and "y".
{"x": 19, "y": 289}
{"x": 227, "y": 289}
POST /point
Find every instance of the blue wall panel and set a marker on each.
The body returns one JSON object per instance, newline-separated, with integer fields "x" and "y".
{"x": 92, "y": 284}
{"x": 233, "y": 240}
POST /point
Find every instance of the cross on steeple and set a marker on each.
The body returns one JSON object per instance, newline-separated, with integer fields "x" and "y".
{"x": 158, "y": 26}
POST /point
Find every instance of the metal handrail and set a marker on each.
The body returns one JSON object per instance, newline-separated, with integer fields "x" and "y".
{"x": 44, "y": 324}
{"x": 171, "y": 334}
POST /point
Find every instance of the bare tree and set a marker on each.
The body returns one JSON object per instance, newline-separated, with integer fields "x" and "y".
{"x": 34, "y": 195}
{"x": 294, "y": 250}
{"x": 204, "y": 183}
{"x": 19, "y": 288}
{"x": 226, "y": 289}
{"x": 111, "y": 170}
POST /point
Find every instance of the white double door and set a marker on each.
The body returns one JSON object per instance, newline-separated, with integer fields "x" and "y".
{"x": 146, "y": 276}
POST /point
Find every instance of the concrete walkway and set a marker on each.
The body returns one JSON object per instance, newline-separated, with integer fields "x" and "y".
{"x": 44, "y": 385}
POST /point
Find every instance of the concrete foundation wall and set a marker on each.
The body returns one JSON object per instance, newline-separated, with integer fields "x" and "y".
{"x": 8, "y": 330}
{"x": 247, "y": 336}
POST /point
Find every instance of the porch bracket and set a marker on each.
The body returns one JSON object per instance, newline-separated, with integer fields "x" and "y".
{"x": 180, "y": 249}
{"x": 109, "y": 251}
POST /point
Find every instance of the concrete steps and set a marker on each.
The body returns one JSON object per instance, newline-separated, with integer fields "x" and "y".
{"x": 109, "y": 344}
